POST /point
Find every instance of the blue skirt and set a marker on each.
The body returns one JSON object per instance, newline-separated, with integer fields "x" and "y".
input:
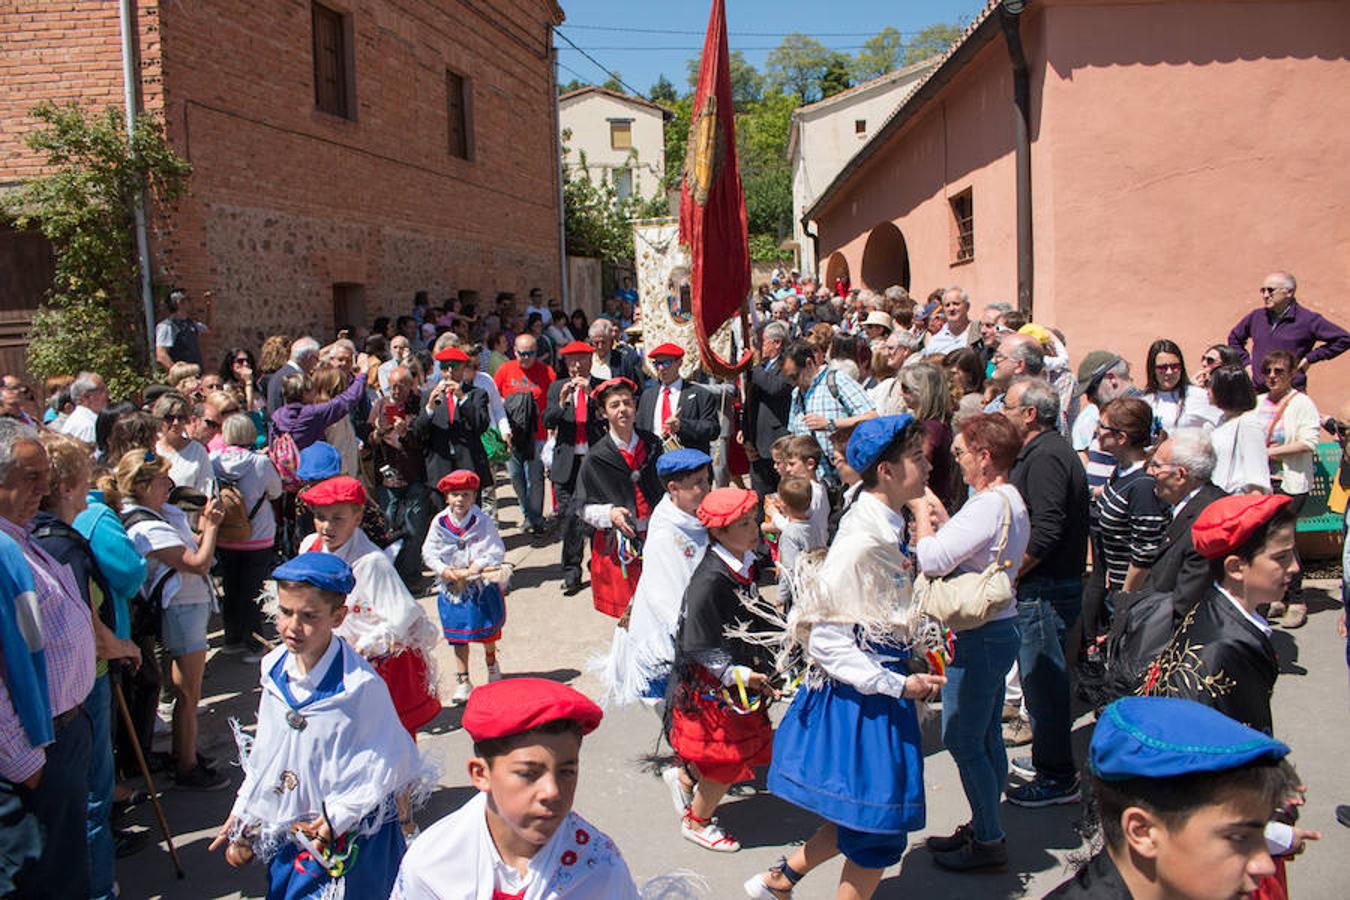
{"x": 854, "y": 759}
{"x": 294, "y": 875}
{"x": 477, "y": 617}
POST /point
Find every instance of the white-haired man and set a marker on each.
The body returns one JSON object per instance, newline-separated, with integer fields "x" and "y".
{"x": 958, "y": 331}
{"x": 304, "y": 359}
{"x": 1181, "y": 467}
{"x": 91, "y": 396}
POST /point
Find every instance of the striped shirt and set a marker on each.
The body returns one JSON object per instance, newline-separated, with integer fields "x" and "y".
{"x": 1128, "y": 523}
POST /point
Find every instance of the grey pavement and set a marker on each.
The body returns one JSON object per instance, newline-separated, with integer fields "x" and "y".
{"x": 554, "y": 636}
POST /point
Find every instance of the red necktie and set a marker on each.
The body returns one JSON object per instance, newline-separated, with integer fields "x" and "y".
{"x": 579, "y": 437}
{"x": 665, "y": 409}
{"x": 450, "y": 410}
{"x": 636, "y": 459}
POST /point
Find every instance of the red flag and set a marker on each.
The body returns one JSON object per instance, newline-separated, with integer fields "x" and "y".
{"x": 712, "y": 205}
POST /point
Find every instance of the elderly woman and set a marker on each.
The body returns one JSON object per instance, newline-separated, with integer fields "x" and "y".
{"x": 1290, "y": 421}
{"x": 245, "y": 551}
{"x": 179, "y": 580}
{"x": 926, "y": 397}
{"x": 1241, "y": 464}
{"x": 972, "y": 699}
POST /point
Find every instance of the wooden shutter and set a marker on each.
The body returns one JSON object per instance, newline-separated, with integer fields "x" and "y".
{"x": 457, "y": 113}
{"x": 330, "y": 62}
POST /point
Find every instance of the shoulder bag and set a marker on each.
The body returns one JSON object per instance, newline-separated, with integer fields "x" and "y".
{"x": 965, "y": 600}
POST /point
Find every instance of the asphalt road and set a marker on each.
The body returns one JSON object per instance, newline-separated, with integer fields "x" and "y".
{"x": 554, "y": 636}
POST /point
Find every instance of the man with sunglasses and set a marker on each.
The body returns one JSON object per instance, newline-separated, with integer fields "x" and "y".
{"x": 526, "y": 375}
{"x": 674, "y": 407}
{"x": 1284, "y": 324}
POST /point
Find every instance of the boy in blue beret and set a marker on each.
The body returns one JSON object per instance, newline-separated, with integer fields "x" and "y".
{"x": 321, "y": 777}
{"x": 1184, "y": 797}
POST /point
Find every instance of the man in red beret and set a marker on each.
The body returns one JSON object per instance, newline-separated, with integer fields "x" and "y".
{"x": 676, "y": 408}
{"x": 526, "y": 375}
{"x": 1221, "y": 654}
{"x": 518, "y": 837}
{"x": 618, "y": 490}
{"x": 455, "y": 412}
{"x": 576, "y": 424}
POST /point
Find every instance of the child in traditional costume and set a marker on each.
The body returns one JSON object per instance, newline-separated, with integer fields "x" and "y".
{"x": 499, "y": 846}
{"x": 849, "y": 747}
{"x": 717, "y": 714}
{"x": 383, "y": 623}
{"x": 466, "y": 554}
{"x": 322, "y": 775}
{"x": 619, "y": 488}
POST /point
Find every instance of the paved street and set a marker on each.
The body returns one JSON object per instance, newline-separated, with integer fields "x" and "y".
{"x": 554, "y": 636}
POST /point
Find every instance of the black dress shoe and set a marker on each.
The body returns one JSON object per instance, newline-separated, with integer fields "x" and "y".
{"x": 973, "y": 856}
{"x": 1343, "y": 814}
{"x": 953, "y": 841}
{"x": 571, "y": 587}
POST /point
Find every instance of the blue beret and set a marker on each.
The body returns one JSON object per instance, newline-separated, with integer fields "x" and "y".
{"x": 1160, "y": 737}
{"x": 871, "y": 438}
{"x": 323, "y": 570}
{"x": 318, "y": 461}
{"x": 677, "y": 462}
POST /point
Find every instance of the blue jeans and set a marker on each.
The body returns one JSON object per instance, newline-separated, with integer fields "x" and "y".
{"x": 60, "y": 803}
{"x": 972, "y": 718}
{"x": 527, "y": 477}
{"x": 1046, "y": 610}
{"x": 102, "y": 852}
{"x": 408, "y": 511}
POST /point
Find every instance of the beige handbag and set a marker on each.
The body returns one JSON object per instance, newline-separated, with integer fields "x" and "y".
{"x": 966, "y": 600}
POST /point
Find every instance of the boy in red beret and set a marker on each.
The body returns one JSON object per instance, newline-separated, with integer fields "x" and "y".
{"x": 518, "y": 839}
{"x": 1221, "y": 654}
{"x": 465, "y": 552}
{"x": 384, "y": 623}
{"x": 717, "y": 716}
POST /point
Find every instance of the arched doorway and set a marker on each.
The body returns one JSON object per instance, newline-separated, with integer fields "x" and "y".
{"x": 885, "y": 259}
{"x": 836, "y": 268}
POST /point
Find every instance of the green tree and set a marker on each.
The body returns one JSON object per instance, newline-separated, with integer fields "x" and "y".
{"x": 566, "y": 87}
{"x": 614, "y": 83}
{"x": 931, "y": 41}
{"x": 766, "y": 174}
{"x": 836, "y": 77}
{"x": 880, "y": 54}
{"x": 677, "y": 140}
{"x": 663, "y": 91}
{"x": 797, "y": 66}
{"x": 85, "y": 206}
{"x": 747, "y": 84}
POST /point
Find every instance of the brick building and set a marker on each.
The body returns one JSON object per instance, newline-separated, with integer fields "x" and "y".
{"x": 345, "y": 153}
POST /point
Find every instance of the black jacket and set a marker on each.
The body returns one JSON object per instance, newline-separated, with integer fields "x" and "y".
{"x": 1099, "y": 879}
{"x": 767, "y": 406}
{"x": 560, "y": 414}
{"x": 1051, "y": 480}
{"x": 458, "y": 444}
{"x": 697, "y": 409}
{"x": 1179, "y": 569}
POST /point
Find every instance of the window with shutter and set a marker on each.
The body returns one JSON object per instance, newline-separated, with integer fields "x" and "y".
{"x": 620, "y": 134}
{"x": 457, "y": 91}
{"x": 963, "y": 227}
{"x": 332, "y": 81}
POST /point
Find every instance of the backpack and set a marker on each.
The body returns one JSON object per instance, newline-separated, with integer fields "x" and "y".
{"x": 237, "y": 526}
{"x": 523, "y": 414}
{"x": 1141, "y": 628}
{"x": 147, "y": 607}
{"x": 285, "y": 455}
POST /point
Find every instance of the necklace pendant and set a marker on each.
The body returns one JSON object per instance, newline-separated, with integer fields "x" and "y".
{"x": 635, "y": 476}
{"x": 295, "y": 720}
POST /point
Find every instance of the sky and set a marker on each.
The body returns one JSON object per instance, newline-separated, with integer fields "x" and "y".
{"x": 612, "y": 31}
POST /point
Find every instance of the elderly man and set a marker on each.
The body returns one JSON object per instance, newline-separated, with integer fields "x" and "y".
{"x": 400, "y": 354}
{"x": 91, "y": 396}
{"x": 1049, "y": 585}
{"x": 526, "y": 376}
{"x": 44, "y": 761}
{"x": 823, "y": 399}
{"x": 176, "y": 338}
{"x": 674, "y": 407}
{"x": 958, "y": 331}
{"x": 399, "y": 458}
{"x": 767, "y": 408}
{"x": 304, "y": 359}
{"x": 612, "y": 360}
{"x": 1180, "y": 468}
{"x": 15, "y": 398}
{"x": 899, "y": 348}
{"x": 989, "y": 328}
{"x": 1284, "y": 324}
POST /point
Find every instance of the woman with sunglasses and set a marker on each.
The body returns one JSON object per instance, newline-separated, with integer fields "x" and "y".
{"x": 237, "y": 371}
{"x": 1215, "y": 355}
{"x": 1176, "y": 402}
{"x": 1290, "y": 421}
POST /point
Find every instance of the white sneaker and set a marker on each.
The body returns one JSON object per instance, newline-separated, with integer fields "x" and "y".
{"x": 709, "y": 837}
{"x": 679, "y": 794}
{"x": 462, "y": 693}
{"x": 756, "y": 889}
{"x": 494, "y": 673}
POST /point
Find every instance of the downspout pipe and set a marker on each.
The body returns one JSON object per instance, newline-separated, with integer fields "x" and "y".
{"x": 565, "y": 294}
{"x": 1010, "y": 14}
{"x": 129, "y": 83}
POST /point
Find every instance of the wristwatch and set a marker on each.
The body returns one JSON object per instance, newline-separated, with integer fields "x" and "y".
{"x": 830, "y": 422}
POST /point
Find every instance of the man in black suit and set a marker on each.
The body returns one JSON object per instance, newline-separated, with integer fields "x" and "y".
{"x": 673, "y": 406}
{"x": 612, "y": 359}
{"x": 767, "y": 407}
{"x": 1181, "y": 467}
{"x": 576, "y": 424}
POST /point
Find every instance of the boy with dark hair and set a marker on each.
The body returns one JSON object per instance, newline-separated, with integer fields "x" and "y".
{"x": 1183, "y": 795}
{"x": 322, "y": 776}
{"x": 518, "y": 839}
{"x": 797, "y": 534}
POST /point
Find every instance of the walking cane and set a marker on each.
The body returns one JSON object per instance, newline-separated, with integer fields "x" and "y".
{"x": 145, "y": 773}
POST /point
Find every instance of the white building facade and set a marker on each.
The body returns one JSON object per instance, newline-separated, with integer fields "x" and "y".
{"x": 622, "y": 139}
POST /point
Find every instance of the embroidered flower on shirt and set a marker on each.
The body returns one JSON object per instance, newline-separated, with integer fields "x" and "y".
{"x": 569, "y": 858}
{"x": 582, "y": 837}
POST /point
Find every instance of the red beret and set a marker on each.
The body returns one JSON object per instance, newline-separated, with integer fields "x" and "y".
{"x": 725, "y": 505}
{"x": 340, "y": 489}
{"x": 604, "y": 387}
{"x": 458, "y": 480}
{"x": 452, "y": 354}
{"x": 1229, "y": 522}
{"x": 667, "y": 349}
{"x": 577, "y": 348}
{"x": 502, "y": 708}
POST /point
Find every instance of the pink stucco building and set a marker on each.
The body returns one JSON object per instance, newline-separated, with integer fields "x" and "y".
{"x": 1177, "y": 151}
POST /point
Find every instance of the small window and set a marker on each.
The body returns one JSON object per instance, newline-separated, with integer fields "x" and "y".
{"x": 332, "y": 62}
{"x": 623, "y": 184}
{"x": 860, "y": 126}
{"x": 963, "y": 227}
{"x": 620, "y": 134}
{"x": 457, "y": 90}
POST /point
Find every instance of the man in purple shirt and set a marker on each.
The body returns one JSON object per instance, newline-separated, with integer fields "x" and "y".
{"x": 1285, "y": 325}
{"x": 52, "y": 782}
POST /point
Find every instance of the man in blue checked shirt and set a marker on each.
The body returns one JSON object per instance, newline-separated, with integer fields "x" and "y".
{"x": 823, "y": 399}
